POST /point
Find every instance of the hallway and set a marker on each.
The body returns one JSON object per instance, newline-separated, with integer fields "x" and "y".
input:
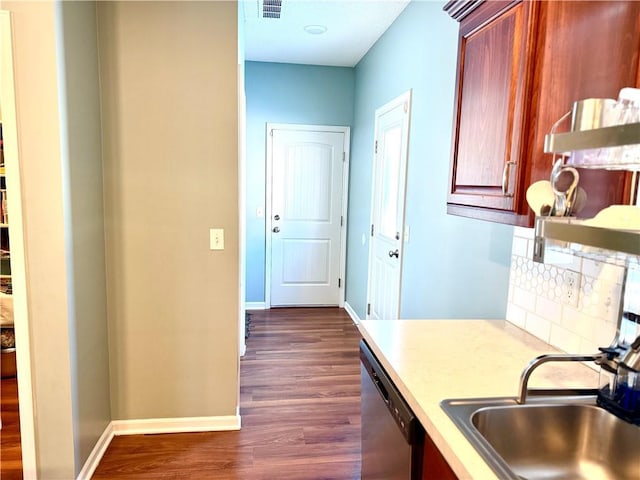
{"x": 300, "y": 408}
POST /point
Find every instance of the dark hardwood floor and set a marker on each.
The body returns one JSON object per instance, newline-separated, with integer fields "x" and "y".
{"x": 300, "y": 408}
{"x": 10, "y": 451}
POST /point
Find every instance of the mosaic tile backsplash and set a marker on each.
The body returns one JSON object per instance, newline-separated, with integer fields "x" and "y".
{"x": 570, "y": 302}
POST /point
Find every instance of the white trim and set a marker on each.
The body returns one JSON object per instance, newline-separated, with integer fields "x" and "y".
{"x": 345, "y": 208}
{"x": 97, "y": 453}
{"x": 18, "y": 261}
{"x": 255, "y": 306}
{"x": 242, "y": 218}
{"x": 345, "y": 200}
{"x": 176, "y": 425}
{"x": 352, "y": 313}
{"x": 267, "y": 216}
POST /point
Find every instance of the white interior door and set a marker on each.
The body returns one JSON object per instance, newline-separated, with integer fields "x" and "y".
{"x": 307, "y": 215}
{"x": 387, "y": 208}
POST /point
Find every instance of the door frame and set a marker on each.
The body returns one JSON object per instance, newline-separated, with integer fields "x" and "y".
{"x": 405, "y": 97}
{"x": 26, "y": 393}
{"x": 268, "y": 191}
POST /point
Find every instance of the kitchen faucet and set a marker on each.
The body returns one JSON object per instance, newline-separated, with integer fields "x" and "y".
{"x": 621, "y": 396}
{"x": 523, "y": 390}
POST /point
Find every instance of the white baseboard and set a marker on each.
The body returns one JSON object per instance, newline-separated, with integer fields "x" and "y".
{"x": 96, "y": 454}
{"x": 255, "y": 305}
{"x": 352, "y": 313}
{"x": 176, "y": 425}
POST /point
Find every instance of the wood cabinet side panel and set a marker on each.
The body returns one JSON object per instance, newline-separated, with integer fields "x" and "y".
{"x": 587, "y": 49}
{"x": 434, "y": 466}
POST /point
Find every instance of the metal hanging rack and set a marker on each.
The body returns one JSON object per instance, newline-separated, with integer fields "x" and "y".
{"x": 568, "y": 232}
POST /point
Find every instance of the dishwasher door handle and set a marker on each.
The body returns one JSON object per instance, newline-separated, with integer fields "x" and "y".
{"x": 381, "y": 388}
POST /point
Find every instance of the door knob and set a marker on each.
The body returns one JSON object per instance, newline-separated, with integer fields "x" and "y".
{"x": 276, "y": 217}
{"x": 276, "y": 229}
{"x": 394, "y": 254}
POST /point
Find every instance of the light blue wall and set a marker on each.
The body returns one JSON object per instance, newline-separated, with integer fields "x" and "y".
{"x": 453, "y": 267}
{"x": 284, "y": 93}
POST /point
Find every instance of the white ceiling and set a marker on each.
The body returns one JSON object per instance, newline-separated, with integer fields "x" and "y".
{"x": 353, "y": 26}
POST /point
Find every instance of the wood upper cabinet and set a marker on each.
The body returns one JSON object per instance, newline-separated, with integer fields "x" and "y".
{"x": 521, "y": 65}
{"x": 490, "y": 108}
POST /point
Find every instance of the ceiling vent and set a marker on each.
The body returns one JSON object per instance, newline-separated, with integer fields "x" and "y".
{"x": 271, "y": 8}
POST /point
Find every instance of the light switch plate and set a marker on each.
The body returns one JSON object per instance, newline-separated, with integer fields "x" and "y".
{"x": 216, "y": 239}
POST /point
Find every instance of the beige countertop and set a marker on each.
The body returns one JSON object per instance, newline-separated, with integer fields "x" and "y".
{"x": 432, "y": 360}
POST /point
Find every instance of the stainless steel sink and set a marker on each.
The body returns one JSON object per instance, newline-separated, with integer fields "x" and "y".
{"x": 548, "y": 438}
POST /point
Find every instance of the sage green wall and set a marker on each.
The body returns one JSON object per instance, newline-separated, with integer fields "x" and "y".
{"x": 84, "y": 222}
{"x": 58, "y": 110}
{"x": 170, "y": 133}
{"x": 170, "y": 145}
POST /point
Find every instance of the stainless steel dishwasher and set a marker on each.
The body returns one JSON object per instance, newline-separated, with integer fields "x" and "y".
{"x": 392, "y": 436}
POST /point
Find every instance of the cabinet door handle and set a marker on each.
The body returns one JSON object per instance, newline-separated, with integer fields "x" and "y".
{"x": 506, "y": 174}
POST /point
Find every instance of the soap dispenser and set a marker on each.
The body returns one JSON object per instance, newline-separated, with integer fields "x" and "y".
{"x": 627, "y": 393}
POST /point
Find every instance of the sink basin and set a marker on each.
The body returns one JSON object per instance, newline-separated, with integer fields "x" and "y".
{"x": 549, "y": 439}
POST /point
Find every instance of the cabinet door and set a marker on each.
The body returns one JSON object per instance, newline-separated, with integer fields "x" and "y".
{"x": 493, "y": 72}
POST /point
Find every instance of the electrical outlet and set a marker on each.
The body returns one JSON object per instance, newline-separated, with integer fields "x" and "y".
{"x": 571, "y": 288}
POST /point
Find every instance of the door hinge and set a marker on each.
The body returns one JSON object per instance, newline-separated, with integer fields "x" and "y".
{"x": 341, "y": 221}
{"x": 368, "y": 309}
{"x": 271, "y": 132}
{"x": 372, "y": 229}
{"x": 344, "y": 156}
{"x": 339, "y": 282}
{"x": 376, "y": 147}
